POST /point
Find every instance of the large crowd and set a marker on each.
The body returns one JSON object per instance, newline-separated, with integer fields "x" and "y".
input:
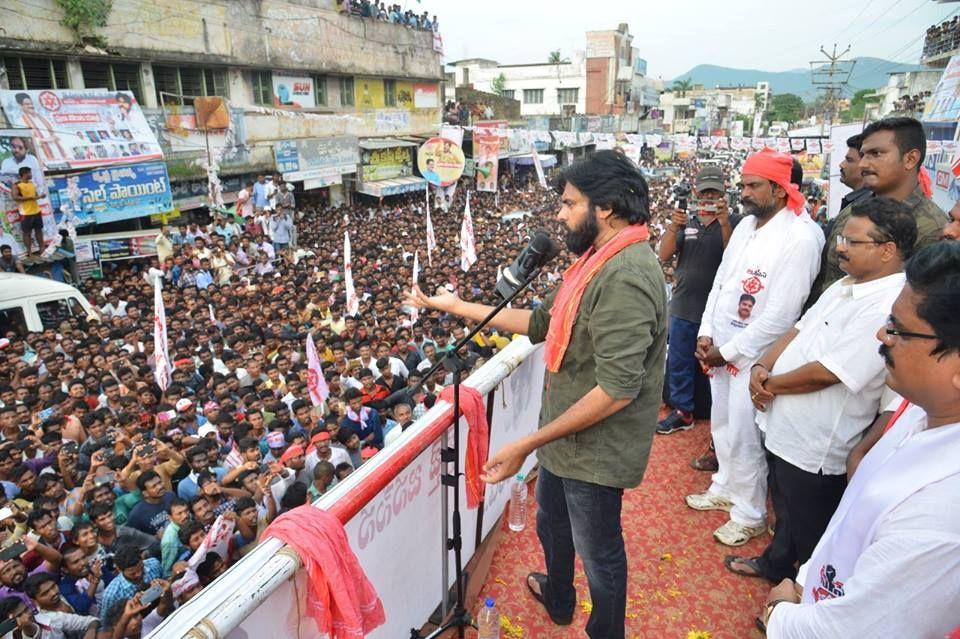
{"x": 111, "y": 485}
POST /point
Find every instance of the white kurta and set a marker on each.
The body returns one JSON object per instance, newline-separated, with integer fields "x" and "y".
{"x": 757, "y": 295}
{"x": 893, "y": 545}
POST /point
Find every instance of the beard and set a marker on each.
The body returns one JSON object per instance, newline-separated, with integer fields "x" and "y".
{"x": 759, "y": 210}
{"x": 580, "y": 239}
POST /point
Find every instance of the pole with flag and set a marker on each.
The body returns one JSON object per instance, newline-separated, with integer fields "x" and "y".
{"x": 161, "y": 355}
{"x": 431, "y": 238}
{"x": 468, "y": 248}
{"x": 316, "y": 383}
{"x": 536, "y": 165}
{"x": 415, "y": 313}
{"x": 353, "y": 302}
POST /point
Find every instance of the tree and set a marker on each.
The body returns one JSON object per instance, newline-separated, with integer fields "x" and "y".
{"x": 682, "y": 85}
{"x": 785, "y": 107}
{"x": 499, "y": 84}
{"x": 556, "y": 58}
{"x": 858, "y": 104}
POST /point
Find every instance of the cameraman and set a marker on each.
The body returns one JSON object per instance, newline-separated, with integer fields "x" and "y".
{"x": 698, "y": 240}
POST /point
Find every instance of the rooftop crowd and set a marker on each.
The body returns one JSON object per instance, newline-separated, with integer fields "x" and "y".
{"x": 112, "y": 485}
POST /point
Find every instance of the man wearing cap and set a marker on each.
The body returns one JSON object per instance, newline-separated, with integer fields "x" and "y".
{"x": 698, "y": 241}
{"x": 773, "y": 256}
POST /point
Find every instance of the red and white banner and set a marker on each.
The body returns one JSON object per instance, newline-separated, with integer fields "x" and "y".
{"x": 161, "y": 355}
{"x": 316, "y": 384}
{"x": 217, "y": 540}
{"x": 353, "y": 302}
{"x": 468, "y": 248}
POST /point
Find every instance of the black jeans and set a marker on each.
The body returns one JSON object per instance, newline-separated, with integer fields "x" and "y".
{"x": 577, "y": 516}
{"x": 803, "y": 503}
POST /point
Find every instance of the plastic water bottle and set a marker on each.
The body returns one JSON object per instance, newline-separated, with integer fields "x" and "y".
{"x": 488, "y": 621}
{"x": 518, "y": 505}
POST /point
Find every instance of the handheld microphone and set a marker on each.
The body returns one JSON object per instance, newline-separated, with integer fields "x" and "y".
{"x": 538, "y": 252}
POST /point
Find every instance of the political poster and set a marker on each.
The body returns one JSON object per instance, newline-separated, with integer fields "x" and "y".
{"x": 82, "y": 128}
{"x": 369, "y": 93}
{"x": 293, "y": 92}
{"x": 312, "y": 158}
{"x": 944, "y": 104}
{"x": 17, "y": 150}
{"x": 112, "y": 193}
{"x": 486, "y": 155}
{"x": 440, "y": 161}
{"x": 386, "y": 164}
{"x": 496, "y": 128}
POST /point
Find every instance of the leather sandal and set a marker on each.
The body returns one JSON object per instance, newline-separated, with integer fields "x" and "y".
{"x": 541, "y": 580}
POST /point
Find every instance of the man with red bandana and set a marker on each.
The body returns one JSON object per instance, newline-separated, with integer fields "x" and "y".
{"x": 773, "y": 256}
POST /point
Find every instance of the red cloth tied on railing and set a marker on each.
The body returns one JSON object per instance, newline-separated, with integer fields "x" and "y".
{"x": 340, "y": 598}
{"x": 478, "y": 439}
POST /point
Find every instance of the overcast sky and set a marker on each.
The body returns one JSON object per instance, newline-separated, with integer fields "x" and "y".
{"x": 771, "y": 35}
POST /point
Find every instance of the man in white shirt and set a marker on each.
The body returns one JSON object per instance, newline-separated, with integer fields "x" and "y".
{"x": 888, "y": 564}
{"x": 245, "y": 201}
{"x": 820, "y": 385}
{"x": 764, "y": 277}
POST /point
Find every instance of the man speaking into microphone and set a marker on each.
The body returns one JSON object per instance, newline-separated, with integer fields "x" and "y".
{"x": 605, "y": 329}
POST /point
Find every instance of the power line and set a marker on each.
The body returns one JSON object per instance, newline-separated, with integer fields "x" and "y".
{"x": 832, "y": 80}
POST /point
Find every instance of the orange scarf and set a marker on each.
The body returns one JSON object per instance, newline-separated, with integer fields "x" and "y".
{"x": 575, "y": 280}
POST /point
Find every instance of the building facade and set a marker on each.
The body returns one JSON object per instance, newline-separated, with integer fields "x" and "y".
{"x": 291, "y": 70}
{"x": 608, "y": 77}
{"x": 704, "y": 110}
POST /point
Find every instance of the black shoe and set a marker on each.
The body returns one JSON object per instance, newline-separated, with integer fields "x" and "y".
{"x": 674, "y": 422}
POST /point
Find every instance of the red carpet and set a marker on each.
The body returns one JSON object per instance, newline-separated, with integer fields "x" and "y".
{"x": 677, "y": 583}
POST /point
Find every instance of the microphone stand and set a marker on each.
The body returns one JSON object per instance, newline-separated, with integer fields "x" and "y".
{"x": 455, "y": 363}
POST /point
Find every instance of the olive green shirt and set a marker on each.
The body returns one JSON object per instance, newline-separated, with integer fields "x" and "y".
{"x": 931, "y": 220}
{"x": 619, "y": 342}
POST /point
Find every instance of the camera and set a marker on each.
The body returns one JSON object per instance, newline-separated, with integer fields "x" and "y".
{"x": 681, "y": 193}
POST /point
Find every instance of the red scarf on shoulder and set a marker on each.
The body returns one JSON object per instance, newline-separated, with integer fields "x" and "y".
{"x": 563, "y": 313}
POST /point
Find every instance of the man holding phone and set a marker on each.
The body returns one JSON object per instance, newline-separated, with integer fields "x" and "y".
{"x": 697, "y": 239}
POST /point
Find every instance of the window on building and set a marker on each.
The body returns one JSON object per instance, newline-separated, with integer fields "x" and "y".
{"x": 508, "y": 93}
{"x": 263, "y": 88}
{"x": 346, "y": 92}
{"x": 24, "y": 73}
{"x": 567, "y": 96}
{"x": 533, "y": 96}
{"x": 390, "y": 93}
{"x": 179, "y": 85}
{"x": 115, "y": 77}
{"x": 320, "y": 90}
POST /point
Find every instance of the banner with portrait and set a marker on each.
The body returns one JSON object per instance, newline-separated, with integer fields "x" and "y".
{"x": 440, "y": 161}
{"x": 17, "y": 150}
{"x": 81, "y": 128}
{"x": 486, "y": 156}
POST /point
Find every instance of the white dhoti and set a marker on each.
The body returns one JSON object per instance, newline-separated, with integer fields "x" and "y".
{"x": 742, "y": 474}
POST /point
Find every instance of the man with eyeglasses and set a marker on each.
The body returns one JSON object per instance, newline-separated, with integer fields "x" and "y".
{"x": 888, "y": 563}
{"x": 820, "y": 385}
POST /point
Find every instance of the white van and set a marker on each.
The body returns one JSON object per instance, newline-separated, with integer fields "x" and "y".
{"x": 33, "y": 304}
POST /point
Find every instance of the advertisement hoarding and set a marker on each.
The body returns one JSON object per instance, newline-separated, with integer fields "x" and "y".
{"x": 308, "y": 159}
{"x": 112, "y": 193}
{"x": 81, "y": 128}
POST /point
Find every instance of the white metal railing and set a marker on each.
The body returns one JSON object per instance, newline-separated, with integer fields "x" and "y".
{"x": 396, "y": 531}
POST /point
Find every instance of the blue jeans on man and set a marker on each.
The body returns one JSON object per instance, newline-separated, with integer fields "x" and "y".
{"x": 682, "y": 364}
{"x": 574, "y": 516}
